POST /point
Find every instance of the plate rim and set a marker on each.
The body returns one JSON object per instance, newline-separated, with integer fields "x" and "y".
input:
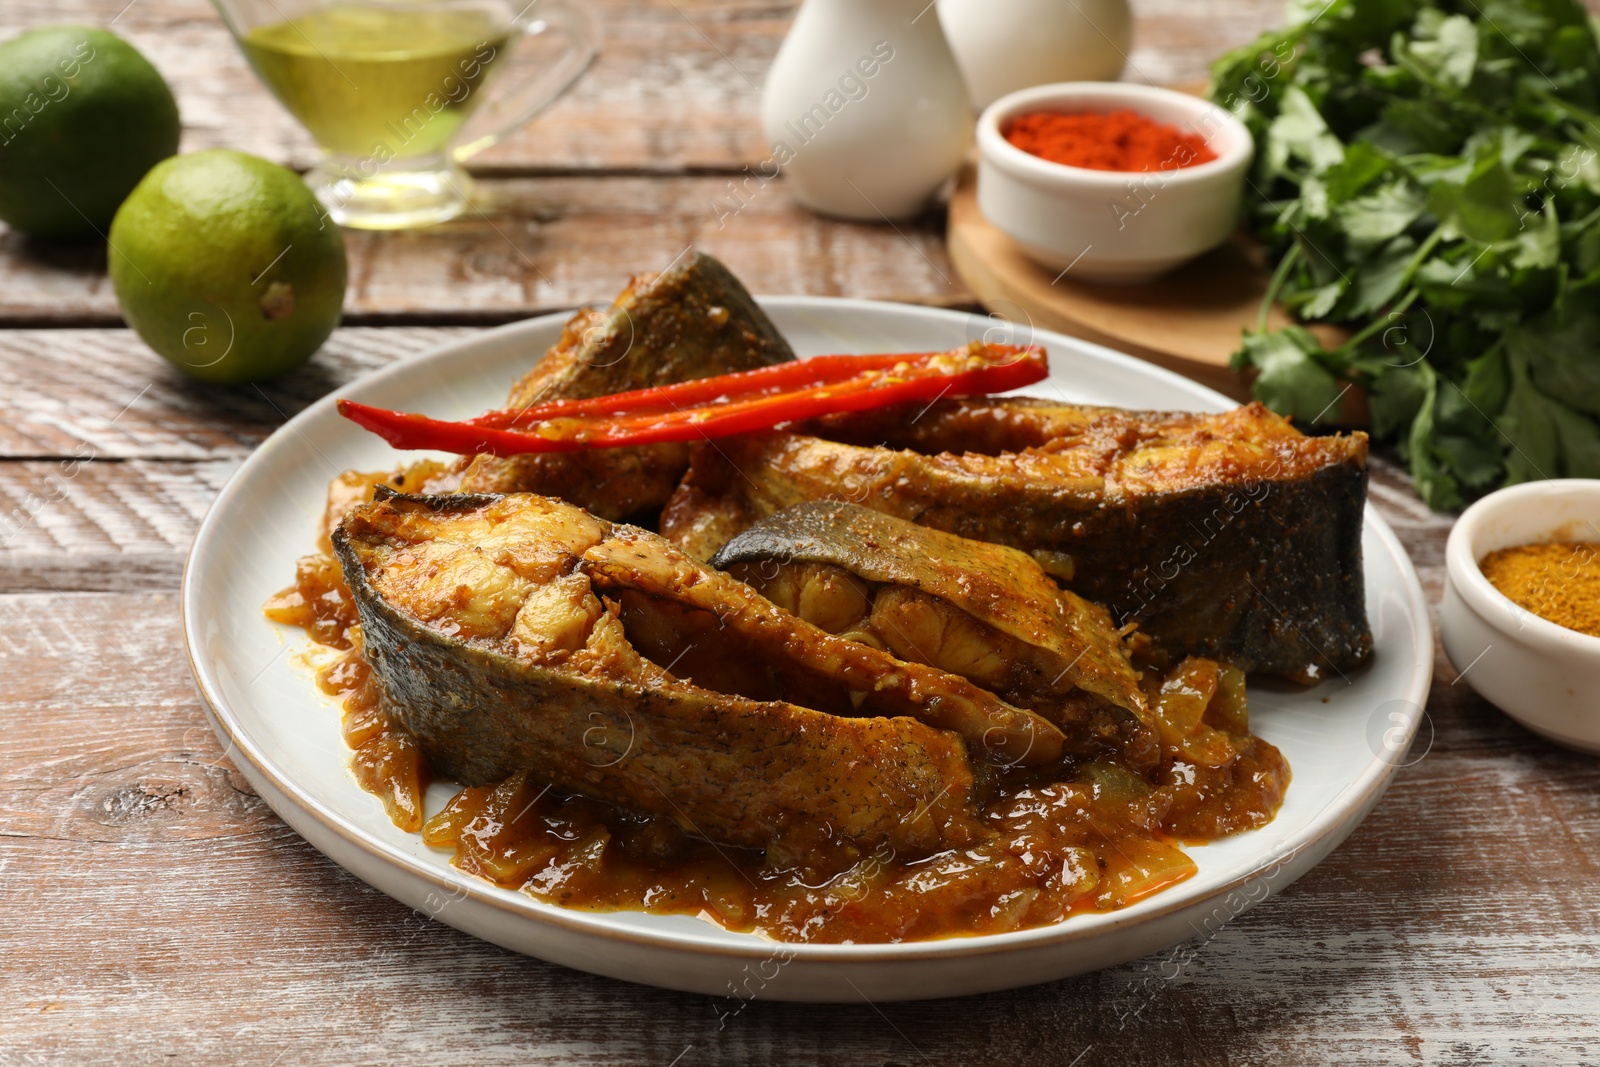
{"x": 1359, "y": 795}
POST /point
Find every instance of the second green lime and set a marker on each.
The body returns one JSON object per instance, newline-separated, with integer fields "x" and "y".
{"x": 226, "y": 265}
{"x": 82, "y": 117}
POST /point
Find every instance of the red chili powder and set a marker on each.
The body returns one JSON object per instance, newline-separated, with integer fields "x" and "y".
{"x": 1120, "y": 140}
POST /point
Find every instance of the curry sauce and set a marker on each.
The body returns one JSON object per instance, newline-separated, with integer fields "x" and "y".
{"x": 1074, "y": 837}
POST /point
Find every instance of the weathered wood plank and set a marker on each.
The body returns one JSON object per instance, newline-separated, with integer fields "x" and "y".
{"x": 669, "y": 94}
{"x": 544, "y": 243}
{"x": 80, "y": 398}
{"x": 83, "y": 524}
{"x": 69, "y": 391}
{"x": 154, "y": 906}
{"x": 676, "y": 87}
{"x": 101, "y": 525}
{"x": 112, "y": 456}
{"x": 673, "y": 92}
{"x": 101, "y": 393}
{"x": 143, "y": 878}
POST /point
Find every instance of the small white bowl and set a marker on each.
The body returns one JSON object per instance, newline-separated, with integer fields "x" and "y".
{"x": 1112, "y": 226}
{"x": 1545, "y": 676}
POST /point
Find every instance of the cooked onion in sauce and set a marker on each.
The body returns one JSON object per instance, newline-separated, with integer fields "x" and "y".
{"x": 1078, "y": 837}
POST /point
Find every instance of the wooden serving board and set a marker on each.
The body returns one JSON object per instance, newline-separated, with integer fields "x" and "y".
{"x": 1189, "y": 321}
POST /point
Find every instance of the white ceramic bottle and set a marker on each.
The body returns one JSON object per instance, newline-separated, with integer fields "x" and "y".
{"x": 1006, "y": 45}
{"x": 865, "y": 108}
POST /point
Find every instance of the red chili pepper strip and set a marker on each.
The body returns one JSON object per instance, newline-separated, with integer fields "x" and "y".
{"x": 779, "y": 377}
{"x": 874, "y": 389}
{"x": 976, "y": 370}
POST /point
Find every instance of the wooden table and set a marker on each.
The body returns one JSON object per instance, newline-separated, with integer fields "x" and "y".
{"x": 156, "y": 911}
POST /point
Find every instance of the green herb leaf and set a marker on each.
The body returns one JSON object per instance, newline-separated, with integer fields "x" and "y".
{"x": 1291, "y": 381}
{"x": 1381, "y": 278}
{"x": 1434, "y": 482}
{"x": 1300, "y": 134}
{"x": 1362, "y": 165}
{"x": 1562, "y": 357}
{"x": 1485, "y": 207}
{"x": 1369, "y": 221}
{"x": 1395, "y": 397}
{"x": 1538, "y": 243}
{"x": 1451, "y": 54}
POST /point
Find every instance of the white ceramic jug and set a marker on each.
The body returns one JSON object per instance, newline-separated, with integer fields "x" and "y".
{"x": 1006, "y": 45}
{"x": 865, "y": 108}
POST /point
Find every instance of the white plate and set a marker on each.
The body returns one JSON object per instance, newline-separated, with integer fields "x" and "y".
{"x": 1343, "y": 739}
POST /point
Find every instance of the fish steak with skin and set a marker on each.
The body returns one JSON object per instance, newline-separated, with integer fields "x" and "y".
{"x": 981, "y": 610}
{"x": 1230, "y": 536}
{"x": 517, "y": 632}
{"x": 692, "y": 320}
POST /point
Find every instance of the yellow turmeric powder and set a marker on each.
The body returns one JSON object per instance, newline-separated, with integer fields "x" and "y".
{"x": 1556, "y": 580}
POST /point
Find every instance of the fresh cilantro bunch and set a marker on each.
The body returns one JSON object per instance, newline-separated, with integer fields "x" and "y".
{"x": 1427, "y": 176}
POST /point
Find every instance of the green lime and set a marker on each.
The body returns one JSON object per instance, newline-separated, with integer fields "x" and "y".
{"x": 226, "y": 266}
{"x": 83, "y": 116}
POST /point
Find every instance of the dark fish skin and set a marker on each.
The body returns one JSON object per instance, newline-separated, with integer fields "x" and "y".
{"x": 1062, "y": 656}
{"x": 693, "y": 320}
{"x": 1228, "y": 536}
{"x": 606, "y": 722}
